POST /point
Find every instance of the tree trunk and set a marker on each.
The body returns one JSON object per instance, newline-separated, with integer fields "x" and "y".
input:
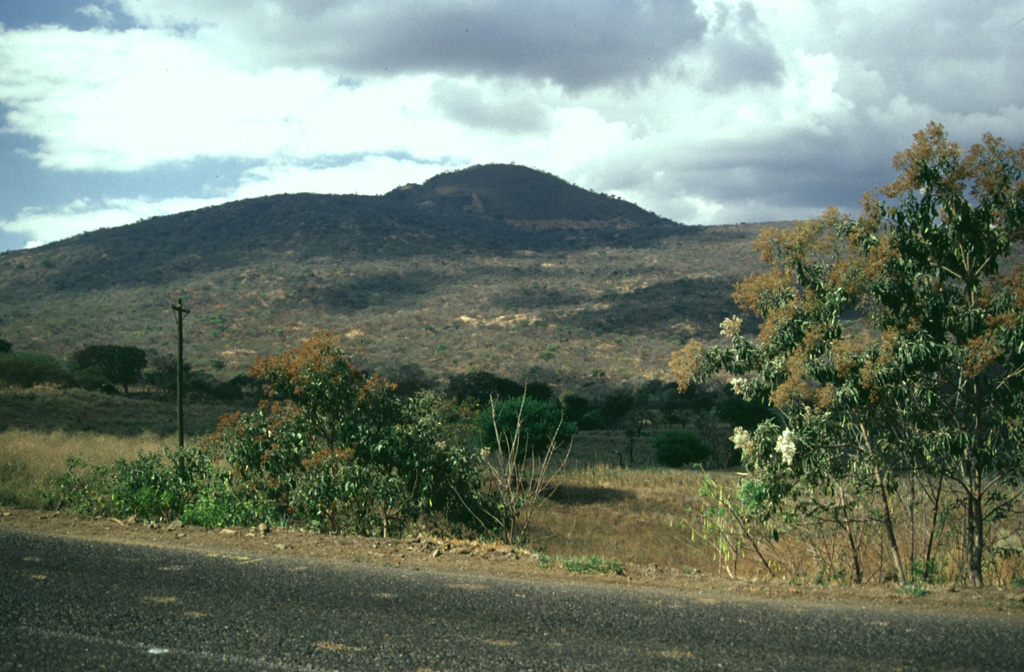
{"x": 975, "y": 529}
{"x": 890, "y": 533}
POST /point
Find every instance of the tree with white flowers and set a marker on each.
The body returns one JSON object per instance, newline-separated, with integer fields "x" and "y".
{"x": 891, "y": 344}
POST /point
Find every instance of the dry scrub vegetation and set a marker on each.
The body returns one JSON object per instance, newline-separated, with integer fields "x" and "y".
{"x": 648, "y": 516}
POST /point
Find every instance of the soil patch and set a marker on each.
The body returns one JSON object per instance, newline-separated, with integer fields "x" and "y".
{"x": 472, "y": 557}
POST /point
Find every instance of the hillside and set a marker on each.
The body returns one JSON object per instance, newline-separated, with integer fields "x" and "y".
{"x": 501, "y": 268}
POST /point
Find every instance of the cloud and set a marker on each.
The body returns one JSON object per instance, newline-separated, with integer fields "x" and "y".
{"x": 43, "y": 226}
{"x": 101, "y": 15}
{"x": 357, "y": 175}
{"x": 571, "y": 44}
{"x": 487, "y": 105}
{"x": 737, "y": 50}
{"x": 709, "y": 111}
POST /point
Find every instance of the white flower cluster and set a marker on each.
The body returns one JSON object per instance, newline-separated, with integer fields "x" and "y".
{"x": 731, "y": 326}
{"x": 742, "y": 440}
{"x": 737, "y": 385}
{"x": 785, "y": 446}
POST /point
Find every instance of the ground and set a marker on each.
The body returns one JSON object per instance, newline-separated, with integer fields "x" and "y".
{"x": 466, "y": 557}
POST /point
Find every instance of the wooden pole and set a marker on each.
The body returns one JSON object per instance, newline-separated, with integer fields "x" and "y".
{"x": 179, "y": 317}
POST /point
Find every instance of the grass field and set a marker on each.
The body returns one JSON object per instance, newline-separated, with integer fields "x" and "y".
{"x": 41, "y": 427}
{"x": 28, "y": 457}
{"x": 598, "y": 508}
{"x": 631, "y": 515}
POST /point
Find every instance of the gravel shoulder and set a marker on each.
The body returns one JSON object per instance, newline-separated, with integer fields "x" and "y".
{"x": 469, "y": 557}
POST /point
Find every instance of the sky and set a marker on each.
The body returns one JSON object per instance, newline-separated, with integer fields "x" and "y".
{"x": 702, "y": 111}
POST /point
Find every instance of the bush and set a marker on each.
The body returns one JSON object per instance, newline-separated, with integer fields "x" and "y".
{"x": 735, "y": 411}
{"x": 182, "y": 483}
{"x": 338, "y": 449}
{"x": 25, "y": 369}
{"x": 332, "y": 448}
{"x": 538, "y": 423}
{"x": 676, "y": 448}
{"x": 479, "y": 387}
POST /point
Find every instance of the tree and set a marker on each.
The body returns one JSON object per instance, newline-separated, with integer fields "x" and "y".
{"x": 5, "y": 346}
{"x": 339, "y": 449}
{"x": 893, "y": 343}
{"x": 28, "y": 368}
{"x": 479, "y": 387}
{"x": 677, "y": 448}
{"x": 119, "y": 364}
{"x": 163, "y": 372}
{"x": 529, "y": 424}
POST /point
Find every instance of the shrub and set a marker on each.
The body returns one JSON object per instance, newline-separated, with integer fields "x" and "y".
{"x": 25, "y": 369}
{"x": 676, "y": 448}
{"x": 338, "y": 449}
{"x": 331, "y": 448}
{"x": 536, "y": 424}
{"x": 182, "y": 483}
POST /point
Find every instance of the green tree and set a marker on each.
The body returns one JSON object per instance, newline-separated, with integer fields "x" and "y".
{"x": 5, "y": 346}
{"x": 28, "y": 368}
{"x": 893, "y": 343}
{"x": 677, "y": 448}
{"x": 529, "y": 424}
{"x": 119, "y": 364}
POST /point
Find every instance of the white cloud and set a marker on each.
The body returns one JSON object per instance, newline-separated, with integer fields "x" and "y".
{"x": 102, "y": 100}
{"x": 101, "y": 15}
{"x": 714, "y": 111}
{"x": 369, "y": 175}
{"x": 48, "y": 225}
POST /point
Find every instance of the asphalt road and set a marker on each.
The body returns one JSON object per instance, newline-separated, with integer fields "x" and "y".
{"x": 76, "y": 605}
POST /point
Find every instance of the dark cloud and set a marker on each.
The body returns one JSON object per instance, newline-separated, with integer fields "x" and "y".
{"x": 479, "y": 107}
{"x": 741, "y": 52}
{"x": 574, "y": 44}
{"x": 800, "y": 170}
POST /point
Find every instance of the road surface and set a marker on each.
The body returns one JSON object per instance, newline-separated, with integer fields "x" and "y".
{"x": 69, "y": 604}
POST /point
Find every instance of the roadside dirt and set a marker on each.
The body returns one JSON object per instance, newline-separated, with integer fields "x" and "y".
{"x": 468, "y": 557}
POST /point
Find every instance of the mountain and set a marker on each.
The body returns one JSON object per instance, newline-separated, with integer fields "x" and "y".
{"x": 496, "y": 267}
{"x": 523, "y": 197}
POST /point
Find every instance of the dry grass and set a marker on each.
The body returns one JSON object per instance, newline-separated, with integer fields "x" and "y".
{"x": 643, "y": 515}
{"x": 40, "y": 427}
{"x": 631, "y": 515}
{"x": 29, "y": 457}
{"x": 47, "y": 409}
{"x": 657, "y": 516}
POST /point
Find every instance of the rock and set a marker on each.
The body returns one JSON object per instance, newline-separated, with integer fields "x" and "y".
{"x": 175, "y": 525}
{"x": 437, "y": 552}
{"x": 262, "y": 529}
{"x": 228, "y": 530}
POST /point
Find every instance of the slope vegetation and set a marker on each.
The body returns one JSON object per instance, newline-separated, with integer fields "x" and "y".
{"x": 499, "y": 267}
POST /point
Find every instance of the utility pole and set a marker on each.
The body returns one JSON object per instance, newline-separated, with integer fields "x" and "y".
{"x": 179, "y": 317}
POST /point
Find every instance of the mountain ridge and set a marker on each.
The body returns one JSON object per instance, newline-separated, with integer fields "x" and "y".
{"x": 499, "y": 268}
